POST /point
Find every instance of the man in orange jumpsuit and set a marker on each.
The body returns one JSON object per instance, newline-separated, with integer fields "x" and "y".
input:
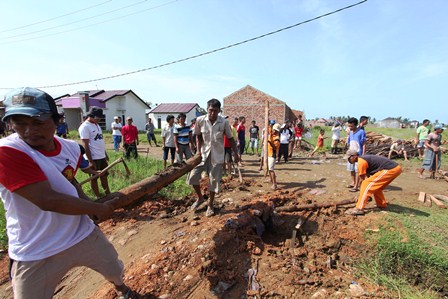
{"x": 375, "y": 173}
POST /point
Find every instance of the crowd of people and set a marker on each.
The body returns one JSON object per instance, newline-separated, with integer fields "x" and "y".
{"x": 53, "y": 233}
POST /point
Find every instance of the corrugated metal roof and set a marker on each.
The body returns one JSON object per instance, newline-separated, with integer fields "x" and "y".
{"x": 174, "y": 108}
{"x": 110, "y": 94}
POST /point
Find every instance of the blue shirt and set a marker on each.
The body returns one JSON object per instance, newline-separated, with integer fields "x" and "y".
{"x": 356, "y": 140}
{"x": 183, "y": 134}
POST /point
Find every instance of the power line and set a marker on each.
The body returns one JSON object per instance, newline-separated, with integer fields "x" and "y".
{"x": 74, "y": 22}
{"x": 90, "y": 25}
{"x": 55, "y": 18}
{"x": 205, "y": 53}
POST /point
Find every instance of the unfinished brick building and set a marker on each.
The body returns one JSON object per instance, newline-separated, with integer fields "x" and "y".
{"x": 250, "y": 103}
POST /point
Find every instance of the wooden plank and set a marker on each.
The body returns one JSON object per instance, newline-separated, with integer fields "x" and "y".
{"x": 437, "y": 202}
{"x": 441, "y": 197}
{"x": 422, "y": 197}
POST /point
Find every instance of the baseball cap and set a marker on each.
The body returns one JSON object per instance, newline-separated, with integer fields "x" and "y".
{"x": 129, "y": 118}
{"x": 276, "y": 127}
{"x": 30, "y": 102}
{"x": 95, "y": 111}
{"x": 350, "y": 152}
{"x": 272, "y": 122}
{"x": 115, "y": 117}
{"x": 438, "y": 127}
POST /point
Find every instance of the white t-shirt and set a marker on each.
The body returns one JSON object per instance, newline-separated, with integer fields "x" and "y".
{"x": 35, "y": 234}
{"x": 285, "y": 135}
{"x": 93, "y": 132}
{"x": 116, "y": 125}
{"x": 336, "y": 133}
{"x": 167, "y": 132}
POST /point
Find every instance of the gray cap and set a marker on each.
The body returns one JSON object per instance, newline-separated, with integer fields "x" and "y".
{"x": 28, "y": 101}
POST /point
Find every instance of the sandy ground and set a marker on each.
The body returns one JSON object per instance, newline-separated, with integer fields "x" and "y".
{"x": 172, "y": 252}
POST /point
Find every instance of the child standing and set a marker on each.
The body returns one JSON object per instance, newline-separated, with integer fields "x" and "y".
{"x": 320, "y": 145}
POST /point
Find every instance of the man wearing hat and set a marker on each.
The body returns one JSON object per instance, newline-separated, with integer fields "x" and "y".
{"x": 92, "y": 140}
{"x": 433, "y": 155}
{"x": 49, "y": 230}
{"x": 375, "y": 174}
{"x": 116, "y": 132}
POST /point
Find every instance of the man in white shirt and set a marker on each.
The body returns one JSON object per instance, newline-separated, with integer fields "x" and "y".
{"x": 93, "y": 142}
{"x": 336, "y": 129}
{"x": 116, "y": 132}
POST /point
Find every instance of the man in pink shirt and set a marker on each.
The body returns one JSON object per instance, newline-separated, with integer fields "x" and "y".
{"x": 130, "y": 138}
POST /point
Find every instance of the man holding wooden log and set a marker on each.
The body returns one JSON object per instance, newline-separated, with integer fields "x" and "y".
{"x": 210, "y": 130}
{"x": 375, "y": 174}
{"x": 49, "y": 230}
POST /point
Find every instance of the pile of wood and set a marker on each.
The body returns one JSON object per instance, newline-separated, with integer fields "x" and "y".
{"x": 379, "y": 144}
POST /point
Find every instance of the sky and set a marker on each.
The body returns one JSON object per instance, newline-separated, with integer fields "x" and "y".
{"x": 381, "y": 58}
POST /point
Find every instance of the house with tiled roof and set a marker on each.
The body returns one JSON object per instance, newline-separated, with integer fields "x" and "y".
{"x": 159, "y": 113}
{"x": 121, "y": 103}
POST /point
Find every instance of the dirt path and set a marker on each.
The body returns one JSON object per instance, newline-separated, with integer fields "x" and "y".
{"x": 171, "y": 252}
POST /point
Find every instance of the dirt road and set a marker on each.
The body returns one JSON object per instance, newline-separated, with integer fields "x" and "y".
{"x": 171, "y": 252}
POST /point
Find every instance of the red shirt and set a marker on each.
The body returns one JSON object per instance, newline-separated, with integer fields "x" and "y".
{"x": 130, "y": 133}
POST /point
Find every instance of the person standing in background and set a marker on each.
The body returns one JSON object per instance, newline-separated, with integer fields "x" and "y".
{"x": 93, "y": 142}
{"x": 168, "y": 146}
{"x": 116, "y": 133}
{"x": 130, "y": 138}
{"x": 422, "y": 132}
{"x": 149, "y": 127}
{"x": 182, "y": 139}
{"x": 241, "y": 131}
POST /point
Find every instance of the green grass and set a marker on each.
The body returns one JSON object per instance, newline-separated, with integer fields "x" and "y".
{"x": 411, "y": 254}
{"x": 140, "y": 169}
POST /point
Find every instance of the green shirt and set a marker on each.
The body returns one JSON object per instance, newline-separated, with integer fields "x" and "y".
{"x": 422, "y": 132}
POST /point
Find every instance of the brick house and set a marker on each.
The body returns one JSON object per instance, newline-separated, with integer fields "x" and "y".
{"x": 250, "y": 103}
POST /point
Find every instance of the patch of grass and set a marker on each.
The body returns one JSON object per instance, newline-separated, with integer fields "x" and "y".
{"x": 3, "y": 237}
{"x": 410, "y": 255}
{"x": 140, "y": 169}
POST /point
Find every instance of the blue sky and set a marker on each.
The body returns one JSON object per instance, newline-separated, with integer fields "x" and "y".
{"x": 381, "y": 58}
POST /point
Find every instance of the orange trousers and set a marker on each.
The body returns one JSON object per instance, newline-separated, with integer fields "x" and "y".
{"x": 374, "y": 185}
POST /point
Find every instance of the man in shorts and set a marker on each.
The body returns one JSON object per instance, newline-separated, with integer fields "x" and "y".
{"x": 254, "y": 134}
{"x": 422, "y": 133}
{"x": 210, "y": 130}
{"x": 92, "y": 140}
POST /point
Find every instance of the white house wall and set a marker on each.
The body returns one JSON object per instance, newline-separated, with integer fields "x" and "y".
{"x": 162, "y": 116}
{"x": 124, "y": 106}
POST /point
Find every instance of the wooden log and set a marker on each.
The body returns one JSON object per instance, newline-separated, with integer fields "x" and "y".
{"x": 102, "y": 172}
{"x": 441, "y": 197}
{"x": 151, "y": 185}
{"x": 422, "y": 197}
{"x": 437, "y": 202}
{"x": 314, "y": 206}
{"x": 265, "y": 138}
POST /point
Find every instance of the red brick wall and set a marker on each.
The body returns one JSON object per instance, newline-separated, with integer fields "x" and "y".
{"x": 250, "y": 103}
